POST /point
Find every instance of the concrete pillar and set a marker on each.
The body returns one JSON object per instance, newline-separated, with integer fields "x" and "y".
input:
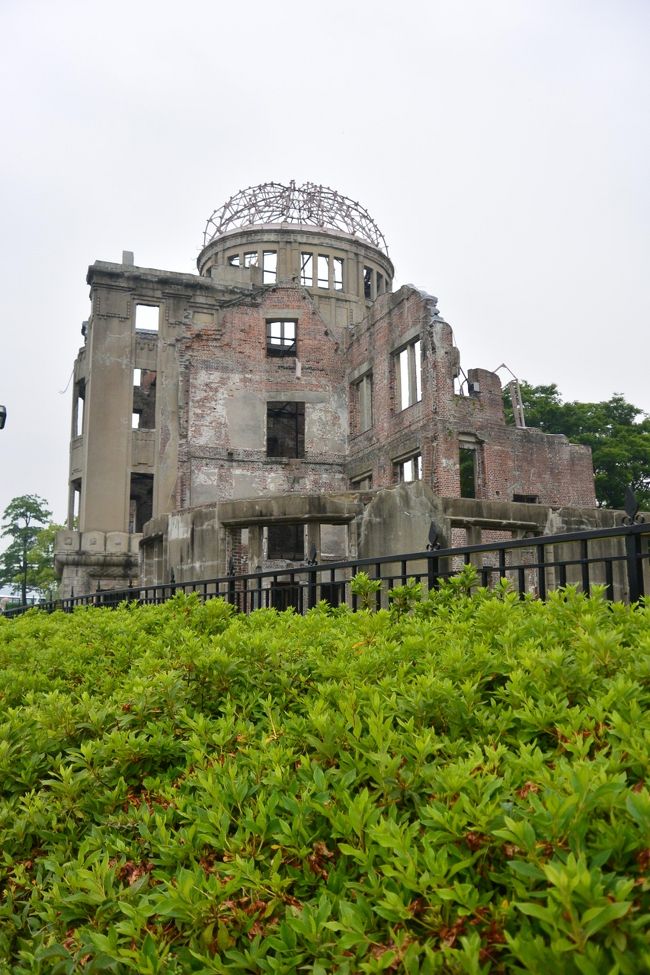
{"x": 313, "y": 538}
{"x": 255, "y": 553}
{"x": 474, "y": 538}
{"x": 109, "y": 403}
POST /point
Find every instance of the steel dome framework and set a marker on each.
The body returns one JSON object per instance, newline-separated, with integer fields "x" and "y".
{"x": 308, "y": 205}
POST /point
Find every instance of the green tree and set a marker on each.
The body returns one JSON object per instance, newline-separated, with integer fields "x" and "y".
{"x": 41, "y": 575}
{"x": 617, "y": 432}
{"x": 23, "y": 520}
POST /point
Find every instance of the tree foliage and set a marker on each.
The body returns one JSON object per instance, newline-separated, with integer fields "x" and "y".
{"x": 41, "y": 575}
{"x": 23, "y": 520}
{"x": 617, "y": 432}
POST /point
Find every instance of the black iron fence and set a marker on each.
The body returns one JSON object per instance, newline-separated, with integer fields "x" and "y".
{"x": 616, "y": 558}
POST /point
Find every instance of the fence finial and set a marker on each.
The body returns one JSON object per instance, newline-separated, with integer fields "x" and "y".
{"x": 631, "y": 505}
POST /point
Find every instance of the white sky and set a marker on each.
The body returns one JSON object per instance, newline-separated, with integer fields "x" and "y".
{"x": 503, "y": 148}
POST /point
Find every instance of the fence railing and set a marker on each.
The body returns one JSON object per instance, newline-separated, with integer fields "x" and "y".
{"x": 617, "y": 558}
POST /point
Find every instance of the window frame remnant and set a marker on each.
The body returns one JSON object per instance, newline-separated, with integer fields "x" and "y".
{"x": 285, "y": 429}
{"x": 367, "y": 282}
{"x": 74, "y": 502}
{"x": 281, "y": 336}
{"x": 337, "y": 273}
{"x": 79, "y": 408}
{"x": 285, "y": 541}
{"x": 269, "y": 267}
{"x": 144, "y": 320}
{"x": 469, "y": 466}
{"x": 408, "y": 375}
{"x": 408, "y": 469}
{"x": 362, "y": 482}
{"x": 307, "y": 269}
{"x": 362, "y": 391}
{"x": 144, "y": 399}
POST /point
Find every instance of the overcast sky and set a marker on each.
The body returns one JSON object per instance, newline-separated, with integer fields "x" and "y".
{"x": 502, "y": 147}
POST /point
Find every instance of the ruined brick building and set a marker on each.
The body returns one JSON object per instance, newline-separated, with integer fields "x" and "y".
{"x": 286, "y": 399}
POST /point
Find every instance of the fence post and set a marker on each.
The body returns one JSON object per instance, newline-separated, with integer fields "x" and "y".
{"x": 634, "y": 566}
{"x": 311, "y": 578}
{"x": 433, "y": 562}
{"x": 541, "y": 572}
{"x": 231, "y": 580}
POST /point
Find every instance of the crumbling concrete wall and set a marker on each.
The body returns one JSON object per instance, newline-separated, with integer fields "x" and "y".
{"x": 198, "y": 543}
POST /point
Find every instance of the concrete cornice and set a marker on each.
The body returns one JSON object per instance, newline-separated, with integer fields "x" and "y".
{"x": 125, "y": 275}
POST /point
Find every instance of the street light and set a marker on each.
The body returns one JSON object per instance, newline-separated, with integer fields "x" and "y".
{"x": 3, "y": 416}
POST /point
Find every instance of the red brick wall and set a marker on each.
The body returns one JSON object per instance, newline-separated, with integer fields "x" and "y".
{"x": 511, "y": 460}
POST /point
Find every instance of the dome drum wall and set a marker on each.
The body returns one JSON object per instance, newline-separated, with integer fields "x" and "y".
{"x": 329, "y": 264}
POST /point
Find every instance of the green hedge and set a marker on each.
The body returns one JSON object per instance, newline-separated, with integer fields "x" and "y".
{"x": 457, "y": 785}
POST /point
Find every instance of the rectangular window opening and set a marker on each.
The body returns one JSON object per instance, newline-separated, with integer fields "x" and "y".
{"x": 323, "y": 271}
{"x": 409, "y": 469}
{"x": 140, "y": 501}
{"x": 286, "y": 541}
{"x": 250, "y": 259}
{"x": 79, "y": 408}
{"x": 144, "y": 399}
{"x": 74, "y": 506}
{"x": 285, "y": 429}
{"x": 417, "y": 365}
{"x": 337, "y": 268}
{"x": 467, "y": 458}
{"x": 367, "y": 282}
{"x": 233, "y": 260}
{"x": 270, "y": 266}
{"x": 409, "y": 375}
{"x": 307, "y": 270}
{"x": 526, "y": 498}
{"x": 147, "y": 318}
{"x": 280, "y": 337}
{"x": 363, "y": 392}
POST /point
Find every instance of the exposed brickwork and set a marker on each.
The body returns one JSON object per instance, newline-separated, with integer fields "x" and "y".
{"x": 228, "y": 378}
{"x": 509, "y": 461}
{"x": 216, "y": 409}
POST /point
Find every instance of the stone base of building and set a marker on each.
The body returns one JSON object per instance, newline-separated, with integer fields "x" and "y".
{"x": 242, "y": 536}
{"x": 214, "y": 539}
{"x": 86, "y": 561}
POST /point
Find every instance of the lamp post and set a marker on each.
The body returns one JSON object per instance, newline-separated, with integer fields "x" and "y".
{"x": 3, "y": 416}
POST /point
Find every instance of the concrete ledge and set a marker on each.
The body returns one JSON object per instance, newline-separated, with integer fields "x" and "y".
{"x": 332, "y": 508}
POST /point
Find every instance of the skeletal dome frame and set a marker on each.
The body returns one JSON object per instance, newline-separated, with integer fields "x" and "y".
{"x": 308, "y": 205}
